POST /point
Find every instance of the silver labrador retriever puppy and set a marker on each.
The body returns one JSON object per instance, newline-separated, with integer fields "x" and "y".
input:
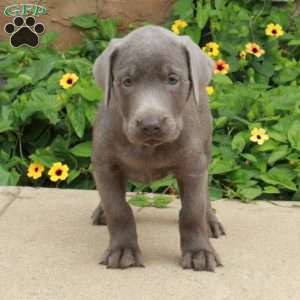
{"x": 154, "y": 121}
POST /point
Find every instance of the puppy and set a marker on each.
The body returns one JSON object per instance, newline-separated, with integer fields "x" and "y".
{"x": 154, "y": 121}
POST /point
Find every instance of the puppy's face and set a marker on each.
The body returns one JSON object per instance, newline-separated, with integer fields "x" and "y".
{"x": 151, "y": 84}
{"x": 151, "y": 73}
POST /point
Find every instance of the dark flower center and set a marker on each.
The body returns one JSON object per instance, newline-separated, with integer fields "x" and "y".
{"x": 258, "y": 137}
{"x": 69, "y": 81}
{"x": 274, "y": 31}
{"x": 58, "y": 172}
{"x": 220, "y": 67}
{"x": 36, "y": 169}
{"x": 254, "y": 50}
{"x": 211, "y": 49}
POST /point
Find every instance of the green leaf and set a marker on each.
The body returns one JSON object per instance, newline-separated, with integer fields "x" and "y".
{"x": 8, "y": 177}
{"x": 6, "y": 120}
{"x": 161, "y": 201}
{"x": 44, "y": 157}
{"x": 280, "y": 176}
{"x": 250, "y": 193}
{"x": 77, "y": 118}
{"x": 202, "y": 14}
{"x": 221, "y": 79}
{"x": 108, "y": 28}
{"x": 275, "y": 135}
{"x": 249, "y": 157}
{"x": 215, "y": 193}
{"x": 278, "y": 154}
{"x": 39, "y": 69}
{"x": 165, "y": 182}
{"x": 49, "y": 38}
{"x": 238, "y": 142}
{"x": 221, "y": 166}
{"x": 139, "y": 200}
{"x": 294, "y": 135}
{"x": 194, "y": 32}
{"x": 88, "y": 90}
{"x": 40, "y": 102}
{"x": 90, "y": 110}
{"x": 270, "y": 189}
{"x": 73, "y": 175}
{"x": 85, "y": 21}
{"x": 269, "y": 145}
{"x": 17, "y": 83}
{"x": 83, "y": 149}
{"x": 183, "y": 9}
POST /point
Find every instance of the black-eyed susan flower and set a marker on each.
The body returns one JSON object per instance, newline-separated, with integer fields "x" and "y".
{"x": 255, "y": 49}
{"x": 221, "y": 67}
{"x": 259, "y": 136}
{"x": 210, "y": 90}
{"x": 212, "y": 49}
{"x": 274, "y": 30}
{"x": 68, "y": 80}
{"x": 35, "y": 170}
{"x": 178, "y": 25}
{"x": 243, "y": 54}
{"x": 58, "y": 171}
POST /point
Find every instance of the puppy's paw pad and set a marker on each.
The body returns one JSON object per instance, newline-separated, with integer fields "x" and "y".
{"x": 122, "y": 258}
{"x": 201, "y": 260}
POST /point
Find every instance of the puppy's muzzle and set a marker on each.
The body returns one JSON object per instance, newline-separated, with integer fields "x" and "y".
{"x": 151, "y": 126}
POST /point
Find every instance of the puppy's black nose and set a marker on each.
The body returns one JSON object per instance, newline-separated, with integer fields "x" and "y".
{"x": 150, "y": 126}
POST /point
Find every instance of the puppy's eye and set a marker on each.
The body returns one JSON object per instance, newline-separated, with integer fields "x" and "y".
{"x": 172, "y": 79}
{"x": 127, "y": 82}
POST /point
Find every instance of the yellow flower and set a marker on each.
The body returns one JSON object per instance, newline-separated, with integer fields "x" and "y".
{"x": 254, "y": 49}
{"x": 259, "y": 136}
{"x": 210, "y": 90}
{"x": 274, "y": 30}
{"x": 178, "y": 25}
{"x": 243, "y": 54}
{"x": 58, "y": 171}
{"x": 221, "y": 67}
{"x": 212, "y": 49}
{"x": 35, "y": 170}
{"x": 68, "y": 80}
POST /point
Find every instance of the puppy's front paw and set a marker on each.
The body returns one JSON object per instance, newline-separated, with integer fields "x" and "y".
{"x": 122, "y": 258}
{"x": 201, "y": 260}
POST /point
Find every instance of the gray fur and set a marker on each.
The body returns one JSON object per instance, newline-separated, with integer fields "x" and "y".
{"x": 148, "y": 127}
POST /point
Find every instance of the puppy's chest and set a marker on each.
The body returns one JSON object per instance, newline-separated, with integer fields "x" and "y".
{"x": 144, "y": 164}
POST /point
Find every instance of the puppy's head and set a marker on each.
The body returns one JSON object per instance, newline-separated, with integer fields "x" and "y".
{"x": 152, "y": 73}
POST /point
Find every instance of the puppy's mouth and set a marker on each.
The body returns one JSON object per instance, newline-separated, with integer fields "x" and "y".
{"x": 152, "y": 142}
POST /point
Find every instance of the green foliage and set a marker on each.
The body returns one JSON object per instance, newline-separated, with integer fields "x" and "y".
{"x": 42, "y": 122}
{"x": 258, "y": 92}
{"x": 143, "y": 200}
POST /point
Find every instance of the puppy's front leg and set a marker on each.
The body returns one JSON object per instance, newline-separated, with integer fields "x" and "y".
{"x": 123, "y": 250}
{"x": 197, "y": 251}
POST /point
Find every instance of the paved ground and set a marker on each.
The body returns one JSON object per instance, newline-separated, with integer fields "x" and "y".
{"x": 50, "y": 250}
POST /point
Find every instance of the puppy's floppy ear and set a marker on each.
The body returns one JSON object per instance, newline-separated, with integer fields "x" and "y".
{"x": 201, "y": 66}
{"x": 102, "y": 69}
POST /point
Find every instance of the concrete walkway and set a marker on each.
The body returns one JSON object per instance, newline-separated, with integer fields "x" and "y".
{"x": 50, "y": 250}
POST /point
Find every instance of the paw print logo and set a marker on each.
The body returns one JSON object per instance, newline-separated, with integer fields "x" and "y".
{"x": 24, "y": 32}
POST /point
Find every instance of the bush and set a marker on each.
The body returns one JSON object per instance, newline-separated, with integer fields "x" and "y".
{"x": 255, "y": 100}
